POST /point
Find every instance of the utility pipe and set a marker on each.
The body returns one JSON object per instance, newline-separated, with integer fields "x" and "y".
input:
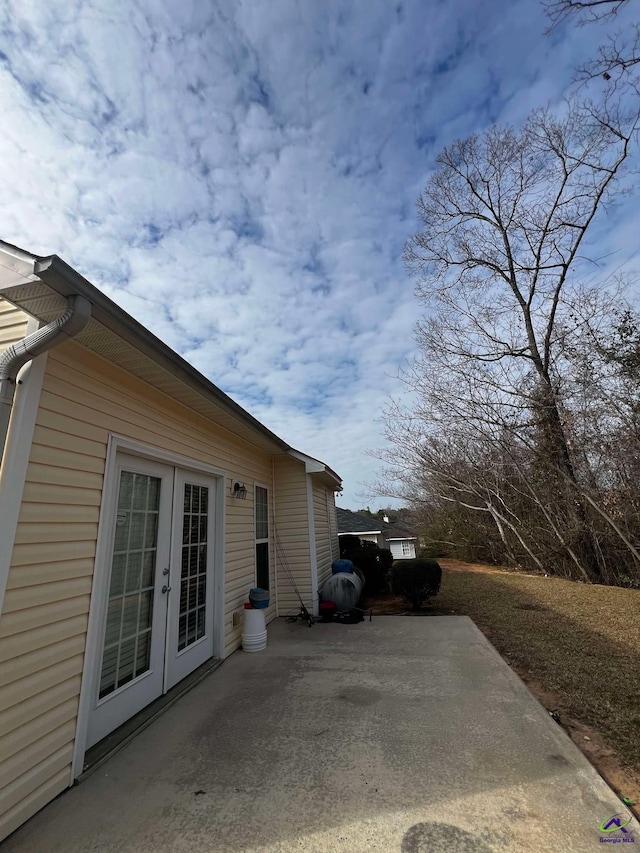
{"x": 66, "y": 326}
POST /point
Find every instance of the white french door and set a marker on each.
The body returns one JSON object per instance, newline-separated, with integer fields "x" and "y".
{"x": 158, "y": 616}
{"x": 190, "y": 615}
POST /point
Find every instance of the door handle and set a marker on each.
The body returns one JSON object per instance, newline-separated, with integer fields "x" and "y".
{"x": 166, "y": 588}
{"x": 165, "y": 571}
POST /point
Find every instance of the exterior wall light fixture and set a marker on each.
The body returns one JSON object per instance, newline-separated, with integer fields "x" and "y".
{"x": 239, "y": 490}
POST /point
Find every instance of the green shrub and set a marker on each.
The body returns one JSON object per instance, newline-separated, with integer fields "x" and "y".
{"x": 386, "y": 558}
{"x": 416, "y": 580}
{"x": 374, "y": 564}
{"x": 348, "y": 543}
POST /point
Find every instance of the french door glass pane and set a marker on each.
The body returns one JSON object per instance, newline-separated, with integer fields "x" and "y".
{"x": 193, "y": 581}
{"x": 127, "y": 647}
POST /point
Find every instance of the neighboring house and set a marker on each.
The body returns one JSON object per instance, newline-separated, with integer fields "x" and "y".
{"x": 400, "y": 541}
{"x": 138, "y": 506}
{"x": 398, "y": 538}
{"x": 364, "y": 527}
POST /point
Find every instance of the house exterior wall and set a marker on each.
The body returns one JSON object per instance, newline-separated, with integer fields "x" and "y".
{"x": 395, "y": 546}
{"x": 44, "y": 620}
{"x": 13, "y": 324}
{"x": 292, "y": 525}
{"x": 326, "y": 530}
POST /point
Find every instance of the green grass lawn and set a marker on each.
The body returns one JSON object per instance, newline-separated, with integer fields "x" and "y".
{"x": 580, "y": 641}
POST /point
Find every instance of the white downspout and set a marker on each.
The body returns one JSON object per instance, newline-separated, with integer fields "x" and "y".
{"x": 313, "y": 557}
{"x": 69, "y": 324}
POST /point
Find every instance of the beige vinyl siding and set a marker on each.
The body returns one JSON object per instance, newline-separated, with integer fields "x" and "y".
{"x": 13, "y": 324}
{"x": 292, "y": 525}
{"x": 324, "y": 544}
{"x": 44, "y": 621}
{"x": 395, "y": 546}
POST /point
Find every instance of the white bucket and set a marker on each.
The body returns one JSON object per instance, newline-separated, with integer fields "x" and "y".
{"x": 254, "y": 631}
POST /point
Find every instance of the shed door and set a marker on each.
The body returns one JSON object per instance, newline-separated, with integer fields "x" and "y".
{"x": 158, "y": 611}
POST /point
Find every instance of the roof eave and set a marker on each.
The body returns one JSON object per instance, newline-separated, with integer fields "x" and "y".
{"x": 399, "y": 538}
{"x": 359, "y": 532}
{"x": 66, "y": 281}
{"x": 22, "y": 267}
{"x": 315, "y": 466}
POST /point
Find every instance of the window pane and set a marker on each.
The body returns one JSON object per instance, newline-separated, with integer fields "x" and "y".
{"x": 151, "y": 530}
{"x": 153, "y": 495}
{"x": 126, "y": 490}
{"x": 140, "y": 490}
{"x": 144, "y": 616}
{"x": 108, "y": 675}
{"x": 114, "y": 619}
{"x": 202, "y": 590}
{"x": 136, "y": 533}
{"x": 118, "y": 567}
{"x": 134, "y": 571}
{"x": 148, "y": 568}
{"x": 123, "y": 519}
{"x": 192, "y": 597}
{"x": 193, "y": 564}
{"x": 127, "y": 661}
{"x": 191, "y": 627}
{"x": 201, "y": 622}
{"x": 143, "y": 653}
{"x": 129, "y": 614}
{"x": 262, "y": 513}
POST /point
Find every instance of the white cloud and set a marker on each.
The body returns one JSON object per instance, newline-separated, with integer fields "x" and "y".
{"x": 241, "y": 177}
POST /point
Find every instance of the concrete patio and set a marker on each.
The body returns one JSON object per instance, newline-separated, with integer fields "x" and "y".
{"x": 403, "y": 734}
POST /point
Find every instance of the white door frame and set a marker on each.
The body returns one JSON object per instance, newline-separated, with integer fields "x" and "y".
{"x": 99, "y": 591}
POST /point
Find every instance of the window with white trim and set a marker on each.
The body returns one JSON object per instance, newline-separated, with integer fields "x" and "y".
{"x": 406, "y": 549}
{"x": 261, "y": 509}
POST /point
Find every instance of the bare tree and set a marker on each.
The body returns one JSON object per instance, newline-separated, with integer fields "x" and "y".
{"x": 504, "y": 222}
{"x": 584, "y": 10}
{"x": 618, "y": 58}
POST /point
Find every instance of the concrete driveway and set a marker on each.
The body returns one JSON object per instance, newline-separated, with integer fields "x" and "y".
{"x": 403, "y": 734}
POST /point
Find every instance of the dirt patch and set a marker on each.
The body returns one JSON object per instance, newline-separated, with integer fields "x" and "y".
{"x": 459, "y": 566}
{"x": 388, "y": 604}
{"x": 576, "y": 647}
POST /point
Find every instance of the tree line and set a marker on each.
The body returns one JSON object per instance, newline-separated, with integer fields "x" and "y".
{"x": 522, "y": 445}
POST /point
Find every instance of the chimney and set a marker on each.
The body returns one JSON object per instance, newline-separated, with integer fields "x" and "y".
{"x": 385, "y": 518}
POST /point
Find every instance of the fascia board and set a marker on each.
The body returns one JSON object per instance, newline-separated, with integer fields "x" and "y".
{"x": 65, "y": 281}
{"x": 360, "y": 533}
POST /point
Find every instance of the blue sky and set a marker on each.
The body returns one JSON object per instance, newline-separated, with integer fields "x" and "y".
{"x": 242, "y": 176}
